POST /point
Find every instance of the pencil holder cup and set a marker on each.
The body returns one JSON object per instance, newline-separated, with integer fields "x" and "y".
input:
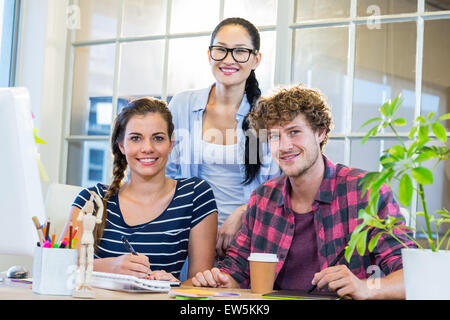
{"x": 54, "y": 271}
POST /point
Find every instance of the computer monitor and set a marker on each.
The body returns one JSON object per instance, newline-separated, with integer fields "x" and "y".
{"x": 20, "y": 187}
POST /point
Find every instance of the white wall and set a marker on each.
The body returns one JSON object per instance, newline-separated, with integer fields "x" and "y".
{"x": 41, "y": 68}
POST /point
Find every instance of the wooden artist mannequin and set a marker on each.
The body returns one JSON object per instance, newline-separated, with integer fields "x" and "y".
{"x": 86, "y": 261}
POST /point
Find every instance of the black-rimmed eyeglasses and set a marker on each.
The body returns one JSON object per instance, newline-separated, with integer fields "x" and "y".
{"x": 240, "y": 55}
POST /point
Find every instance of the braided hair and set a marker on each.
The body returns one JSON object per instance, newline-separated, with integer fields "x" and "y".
{"x": 140, "y": 106}
{"x": 253, "y": 92}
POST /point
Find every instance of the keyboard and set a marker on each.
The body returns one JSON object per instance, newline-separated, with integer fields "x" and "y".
{"x": 121, "y": 282}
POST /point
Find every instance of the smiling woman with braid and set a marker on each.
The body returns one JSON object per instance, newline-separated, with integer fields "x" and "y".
{"x": 165, "y": 220}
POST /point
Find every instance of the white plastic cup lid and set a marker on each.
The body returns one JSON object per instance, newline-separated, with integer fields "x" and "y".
{"x": 263, "y": 257}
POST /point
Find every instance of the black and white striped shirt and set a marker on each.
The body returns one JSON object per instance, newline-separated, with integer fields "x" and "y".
{"x": 164, "y": 240}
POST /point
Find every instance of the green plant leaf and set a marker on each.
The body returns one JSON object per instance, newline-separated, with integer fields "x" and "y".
{"x": 385, "y": 109}
{"x": 405, "y": 190}
{"x": 423, "y": 132}
{"x": 349, "y": 251}
{"x": 398, "y": 104}
{"x": 422, "y": 175}
{"x": 425, "y": 156}
{"x": 397, "y": 151}
{"x": 361, "y": 242}
{"x": 387, "y": 160}
{"x": 371, "y": 133}
{"x": 373, "y": 242}
{"x": 430, "y": 115}
{"x": 375, "y": 223}
{"x": 411, "y": 149}
{"x": 395, "y": 105}
{"x": 370, "y": 121}
{"x": 399, "y": 122}
{"x": 421, "y": 119}
{"x": 444, "y": 117}
{"x": 412, "y": 132}
{"x": 368, "y": 180}
{"x": 439, "y": 130}
{"x": 392, "y": 221}
{"x": 351, "y": 245}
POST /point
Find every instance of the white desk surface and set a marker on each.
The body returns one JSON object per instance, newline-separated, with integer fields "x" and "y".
{"x": 22, "y": 291}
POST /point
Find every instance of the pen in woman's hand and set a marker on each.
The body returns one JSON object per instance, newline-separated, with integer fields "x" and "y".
{"x": 128, "y": 246}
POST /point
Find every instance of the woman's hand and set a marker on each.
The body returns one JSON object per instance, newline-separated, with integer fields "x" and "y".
{"x": 129, "y": 264}
{"x": 212, "y": 278}
{"x": 228, "y": 230}
{"x": 161, "y": 275}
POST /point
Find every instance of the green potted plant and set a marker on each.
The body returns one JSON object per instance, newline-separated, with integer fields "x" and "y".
{"x": 402, "y": 165}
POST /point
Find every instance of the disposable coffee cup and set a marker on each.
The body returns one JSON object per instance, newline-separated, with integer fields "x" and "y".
{"x": 262, "y": 271}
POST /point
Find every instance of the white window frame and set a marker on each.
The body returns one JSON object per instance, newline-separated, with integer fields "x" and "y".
{"x": 284, "y": 28}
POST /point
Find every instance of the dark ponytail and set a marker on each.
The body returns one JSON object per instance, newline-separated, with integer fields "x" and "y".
{"x": 252, "y": 165}
{"x": 253, "y": 92}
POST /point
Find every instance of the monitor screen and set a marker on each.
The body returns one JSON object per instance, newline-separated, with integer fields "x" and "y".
{"x": 20, "y": 188}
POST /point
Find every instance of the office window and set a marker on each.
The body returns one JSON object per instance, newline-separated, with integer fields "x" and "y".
{"x": 134, "y": 48}
{"x": 384, "y": 67}
{"x": 360, "y": 53}
{"x": 320, "y": 61}
{"x": 311, "y": 10}
{"x": 357, "y": 52}
{"x": 385, "y": 7}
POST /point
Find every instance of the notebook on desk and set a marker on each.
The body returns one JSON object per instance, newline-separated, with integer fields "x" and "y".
{"x": 300, "y": 295}
{"x": 120, "y": 282}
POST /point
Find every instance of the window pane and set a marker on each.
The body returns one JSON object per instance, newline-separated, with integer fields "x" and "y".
{"x": 265, "y": 72}
{"x": 334, "y": 150}
{"x": 324, "y": 9}
{"x": 144, "y": 17}
{"x": 141, "y": 70}
{"x": 92, "y": 84}
{"x": 88, "y": 163}
{"x": 194, "y": 15}
{"x": 188, "y": 64}
{"x": 436, "y": 66}
{"x": 258, "y": 12}
{"x": 384, "y": 67}
{"x": 320, "y": 61}
{"x": 6, "y": 41}
{"x": 98, "y": 19}
{"x": 365, "y": 156}
{"x": 382, "y": 7}
{"x": 437, "y": 5}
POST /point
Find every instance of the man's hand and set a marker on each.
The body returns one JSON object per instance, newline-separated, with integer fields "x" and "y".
{"x": 342, "y": 281}
{"x": 228, "y": 230}
{"x": 212, "y": 278}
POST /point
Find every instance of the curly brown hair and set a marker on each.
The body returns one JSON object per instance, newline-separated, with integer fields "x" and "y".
{"x": 287, "y": 103}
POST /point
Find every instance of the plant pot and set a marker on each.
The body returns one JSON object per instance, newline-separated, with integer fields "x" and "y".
{"x": 426, "y": 274}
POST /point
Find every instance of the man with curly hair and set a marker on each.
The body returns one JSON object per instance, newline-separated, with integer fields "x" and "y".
{"x": 307, "y": 215}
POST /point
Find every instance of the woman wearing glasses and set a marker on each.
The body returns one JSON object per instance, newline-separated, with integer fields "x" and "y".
{"x": 211, "y": 127}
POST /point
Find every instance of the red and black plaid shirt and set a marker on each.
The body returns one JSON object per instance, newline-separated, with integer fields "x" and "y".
{"x": 268, "y": 225}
